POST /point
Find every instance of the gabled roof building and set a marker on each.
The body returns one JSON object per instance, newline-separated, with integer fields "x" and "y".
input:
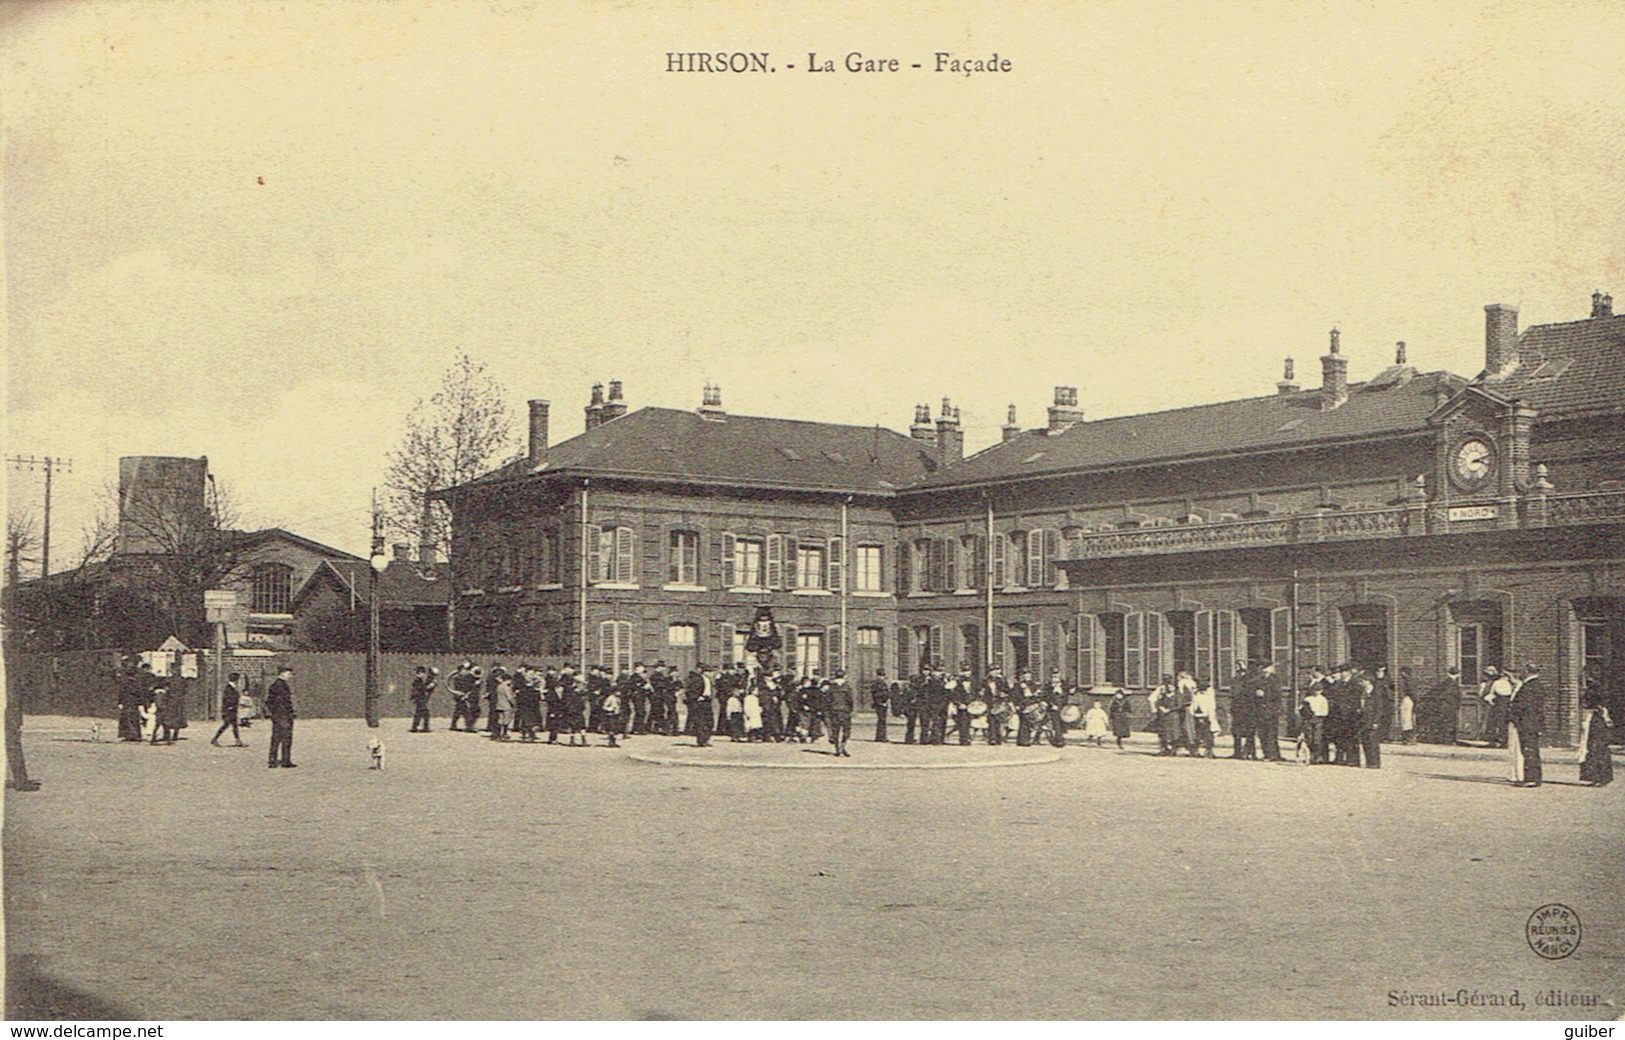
{"x": 1413, "y": 521}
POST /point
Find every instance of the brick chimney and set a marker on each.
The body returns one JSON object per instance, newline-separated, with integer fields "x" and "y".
{"x": 1602, "y": 305}
{"x": 1011, "y": 428}
{"x": 1064, "y": 413}
{"x": 538, "y": 429}
{"x": 1399, "y": 353}
{"x": 1500, "y": 340}
{"x": 921, "y": 429}
{"x": 1287, "y": 385}
{"x": 711, "y": 403}
{"x": 950, "y": 438}
{"x": 595, "y": 410}
{"x": 1334, "y": 375}
{"x": 615, "y": 407}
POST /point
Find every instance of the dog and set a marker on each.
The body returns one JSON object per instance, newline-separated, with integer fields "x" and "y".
{"x": 95, "y": 732}
{"x": 375, "y": 748}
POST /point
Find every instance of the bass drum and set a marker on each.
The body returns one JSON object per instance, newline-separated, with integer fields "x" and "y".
{"x": 977, "y": 707}
{"x": 1071, "y": 714}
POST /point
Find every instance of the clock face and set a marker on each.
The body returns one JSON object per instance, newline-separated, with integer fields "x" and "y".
{"x": 1473, "y": 463}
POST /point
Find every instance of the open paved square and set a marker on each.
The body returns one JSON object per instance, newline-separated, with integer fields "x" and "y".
{"x": 475, "y": 880}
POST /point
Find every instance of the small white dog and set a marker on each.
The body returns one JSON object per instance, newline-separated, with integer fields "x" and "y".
{"x": 375, "y": 748}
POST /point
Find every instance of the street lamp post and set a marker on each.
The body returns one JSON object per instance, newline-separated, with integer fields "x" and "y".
{"x": 379, "y": 561}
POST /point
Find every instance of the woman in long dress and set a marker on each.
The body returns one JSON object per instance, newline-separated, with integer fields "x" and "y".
{"x": 1597, "y": 726}
{"x": 753, "y": 715}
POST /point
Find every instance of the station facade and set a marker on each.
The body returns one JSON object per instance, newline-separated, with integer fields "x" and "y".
{"x": 1414, "y": 521}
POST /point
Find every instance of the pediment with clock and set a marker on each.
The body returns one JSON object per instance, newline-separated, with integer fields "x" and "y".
{"x": 1480, "y": 448}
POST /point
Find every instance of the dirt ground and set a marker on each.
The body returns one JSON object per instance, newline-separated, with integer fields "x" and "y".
{"x": 475, "y": 880}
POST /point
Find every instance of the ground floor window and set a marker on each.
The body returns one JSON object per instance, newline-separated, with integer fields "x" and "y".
{"x": 615, "y": 645}
{"x": 809, "y": 653}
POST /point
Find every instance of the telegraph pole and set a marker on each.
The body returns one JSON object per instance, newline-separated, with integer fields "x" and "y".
{"x": 50, "y": 464}
{"x": 378, "y": 562}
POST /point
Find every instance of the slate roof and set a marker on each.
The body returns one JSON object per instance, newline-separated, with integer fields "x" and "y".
{"x": 1397, "y": 401}
{"x": 1592, "y": 381}
{"x": 742, "y": 450}
{"x": 403, "y": 584}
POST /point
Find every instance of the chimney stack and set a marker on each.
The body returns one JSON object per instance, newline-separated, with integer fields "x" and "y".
{"x": 1334, "y": 375}
{"x": 538, "y": 429}
{"x": 921, "y": 429}
{"x": 1287, "y": 385}
{"x": 615, "y": 407}
{"x": 1500, "y": 340}
{"x": 403, "y": 552}
{"x": 595, "y": 410}
{"x": 1065, "y": 413}
{"x": 1399, "y": 353}
{"x": 711, "y": 403}
{"x": 950, "y": 438}
{"x": 1011, "y": 428}
{"x": 1602, "y": 305}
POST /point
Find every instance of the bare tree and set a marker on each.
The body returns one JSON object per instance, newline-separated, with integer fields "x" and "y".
{"x": 22, "y": 543}
{"x": 456, "y": 435}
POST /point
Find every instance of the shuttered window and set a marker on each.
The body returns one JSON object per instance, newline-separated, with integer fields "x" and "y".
{"x": 1281, "y": 640}
{"x": 837, "y": 564}
{"x": 1001, "y": 557}
{"x": 615, "y": 645}
{"x": 1154, "y": 643}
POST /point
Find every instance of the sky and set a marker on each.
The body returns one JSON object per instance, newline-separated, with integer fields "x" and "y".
{"x": 260, "y": 232}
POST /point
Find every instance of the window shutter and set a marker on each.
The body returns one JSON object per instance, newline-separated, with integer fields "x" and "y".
{"x": 1225, "y": 623}
{"x": 1097, "y": 634}
{"x": 725, "y": 643}
{"x": 1086, "y": 649}
{"x": 904, "y": 668}
{"x": 1035, "y": 650}
{"x": 1155, "y": 665}
{"x": 775, "y": 562}
{"x": 934, "y": 552}
{"x": 729, "y": 553}
{"x": 936, "y": 646}
{"x": 1052, "y": 553}
{"x": 950, "y": 565}
{"x": 904, "y": 561}
{"x": 1001, "y": 552}
{"x": 624, "y": 548}
{"x": 1035, "y": 558}
{"x": 997, "y": 657}
{"x": 978, "y": 564}
{"x": 1133, "y": 650}
{"x": 1281, "y": 640}
{"x": 1204, "y": 648}
{"x": 792, "y": 562}
{"x": 834, "y": 656}
{"x": 606, "y": 641}
{"x": 674, "y": 557}
{"x": 594, "y": 538}
{"x": 836, "y": 564}
{"x": 790, "y": 649}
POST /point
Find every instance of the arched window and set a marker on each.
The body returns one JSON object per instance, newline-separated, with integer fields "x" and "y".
{"x": 273, "y": 588}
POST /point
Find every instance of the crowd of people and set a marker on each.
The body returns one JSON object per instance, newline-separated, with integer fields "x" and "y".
{"x": 1343, "y": 715}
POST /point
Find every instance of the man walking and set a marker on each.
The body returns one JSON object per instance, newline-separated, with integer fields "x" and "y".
{"x": 279, "y": 705}
{"x": 229, "y": 699}
{"x": 462, "y": 691}
{"x": 1243, "y": 714}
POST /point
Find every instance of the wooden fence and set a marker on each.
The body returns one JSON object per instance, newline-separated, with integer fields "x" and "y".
{"x": 325, "y": 685}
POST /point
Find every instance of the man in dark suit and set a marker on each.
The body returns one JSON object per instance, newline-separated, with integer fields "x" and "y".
{"x": 1523, "y": 716}
{"x": 1243, "y": 713}
{"x": 1268, "y": 689}
{"x": 279, "y": 705}
{"x": 838, "y": 707}
{"x": 700, "y": 693}
{"x": 880, "y": 700}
